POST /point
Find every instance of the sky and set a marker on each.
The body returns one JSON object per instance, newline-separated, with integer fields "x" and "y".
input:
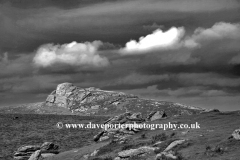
{"x": 185, "y": 51}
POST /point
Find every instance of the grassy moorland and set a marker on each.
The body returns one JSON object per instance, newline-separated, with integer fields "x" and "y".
{"x": 210, "y": 142}
{"x": 25, "y": 129}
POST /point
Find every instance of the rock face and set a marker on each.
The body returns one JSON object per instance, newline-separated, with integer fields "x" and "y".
{"x": 61, "y": 94}
{"x": 36, "y": 152}
{"x": 236, "y": 134}
{"x": 94, "y": 101}
{"x": 64, "y": 89}
{"x": 70, "y": 99}
{"x": 83, "y": 100}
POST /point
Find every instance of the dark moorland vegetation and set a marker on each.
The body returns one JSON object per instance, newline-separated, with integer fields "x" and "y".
{"x": 27, "y": 129}
{"x": 211, "y": 141}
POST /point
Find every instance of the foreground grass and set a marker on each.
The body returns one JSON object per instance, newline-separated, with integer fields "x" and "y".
{"x": 210, "y": 142}
{"x": 26, "y": 129}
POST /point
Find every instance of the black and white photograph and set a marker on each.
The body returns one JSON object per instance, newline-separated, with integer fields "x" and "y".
{"x": 119, "y": 79}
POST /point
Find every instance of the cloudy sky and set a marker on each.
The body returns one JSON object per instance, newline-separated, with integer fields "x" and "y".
{"x": 185, "y": 51}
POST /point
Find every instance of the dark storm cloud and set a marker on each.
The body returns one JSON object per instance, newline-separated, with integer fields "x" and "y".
{"x": 213, "y": 49}
{"x": 19, "y": 66}
{"x": 26, "y": 4}
{"x": 24, "y": 29}
{"x": 153, "y": 26}
{"x": 215, "y": 52}
{"x": 202, "y": 65}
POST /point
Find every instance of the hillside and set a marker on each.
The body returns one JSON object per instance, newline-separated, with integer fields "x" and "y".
{"x": 68, "y": 99}
{"x": 210, "y": 142}
{"x": 30, "y": 132}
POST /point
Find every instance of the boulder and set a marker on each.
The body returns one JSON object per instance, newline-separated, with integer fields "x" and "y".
{"x": 136, "y": 116}
{"x": 168, "y": 153}
{"x": 22, "y": 157}
{"x": 118, "y": 119}
{"x": 103, "y": 138}
{"x": 98, "y": 136}
{"x": 86, "y": 156}
{"x": 34, "y": 151}
{"x": 24, "y": 152}
{"x": 122, "y": 121}
{"x": 47, "y": 146}
{"x": 21, "y": 154}
{"x": 236, "y": 134}
{"x": 36, "y": 155}
{"x": 28, "y": 148}
{"x": 156, "y": 115}
{"x": 94, "y": 153}
{"x": 136, "y": 152}
{"x": 45, "y": 155}
{"x": 173, "y": 144}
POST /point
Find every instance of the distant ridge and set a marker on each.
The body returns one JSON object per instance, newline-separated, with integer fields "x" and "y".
{"x": 69, "y": 99}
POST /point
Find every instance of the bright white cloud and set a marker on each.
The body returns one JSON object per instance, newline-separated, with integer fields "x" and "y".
{"x": 218, "y": 31}
{"x": 78, "y": 54}
{"x": 226, "y": 34}
{"x": 157, "y": 40}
